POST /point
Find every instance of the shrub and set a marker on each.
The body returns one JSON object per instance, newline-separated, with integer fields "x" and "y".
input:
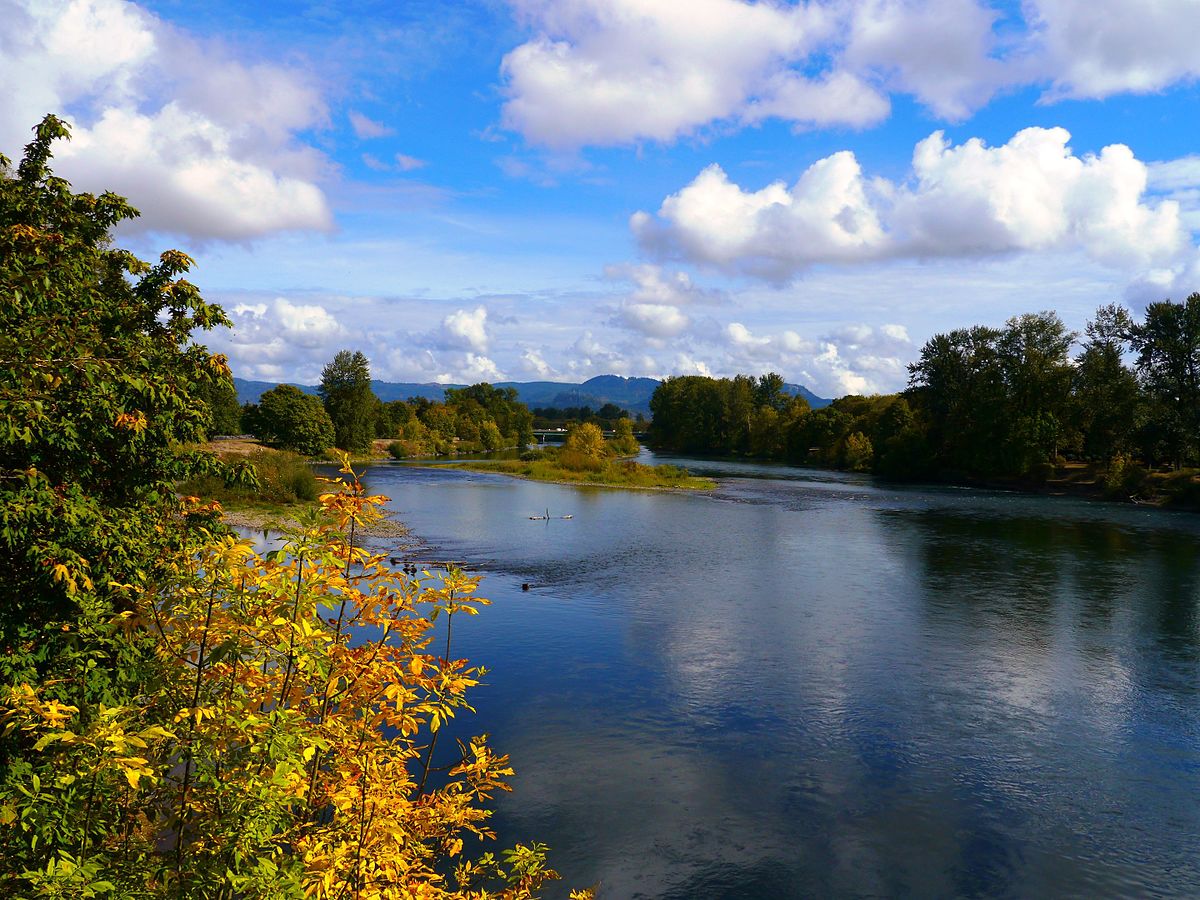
{"x": 281, "y": 478}
{"x": 578, "y": 461}
{"x": 283, "y": 748}
{"x": 1125, "y": 478}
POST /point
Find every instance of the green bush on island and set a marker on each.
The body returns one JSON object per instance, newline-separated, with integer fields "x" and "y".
{"x": 475, "y": 419}
{"x": 584, "y": 470}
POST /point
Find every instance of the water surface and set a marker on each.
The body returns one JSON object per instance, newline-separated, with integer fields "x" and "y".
{"x": 810, "y": 684}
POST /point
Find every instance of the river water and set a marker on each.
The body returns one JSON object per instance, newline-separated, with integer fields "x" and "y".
{"x": 813, "y": 684}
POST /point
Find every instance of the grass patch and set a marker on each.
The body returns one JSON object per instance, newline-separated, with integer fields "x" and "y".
{"x": 609, "y": 473}
{"x": 284, "y": 479}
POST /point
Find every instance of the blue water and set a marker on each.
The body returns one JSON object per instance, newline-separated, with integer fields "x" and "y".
{"x": 810, "y": 684}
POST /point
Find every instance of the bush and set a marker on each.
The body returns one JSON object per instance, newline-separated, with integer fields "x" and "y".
{"x": 857, "y": 452}
{"x": 282, "y": 478}
{"x": 1182, "y": 488}
{"x": 578, "y": 461}
{"x": 1125, "y": 478}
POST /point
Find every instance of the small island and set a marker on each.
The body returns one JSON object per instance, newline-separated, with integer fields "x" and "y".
{"x": 620, "y": 473}
{"x": 585, "y": 457}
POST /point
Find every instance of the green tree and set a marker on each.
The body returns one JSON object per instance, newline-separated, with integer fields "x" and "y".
{"x": 351, "y": 404}
{"x": 857, "y": 452}
{"x": 490, "y": 437}
{"x": 959, "y": 385}
{"x": 1107, "y": 399}
{"x": 769, "y": 392}
{"x": 290, "y": 419}
{"x": 100, "y": 385}
{"x": 393, "y": 416}
{"x": 1167, "y": 343}
{"x": 168, "y": 720}
{"x": 220, "y": 400}
{"x": 501, "y": 405}
{"x": 1033, "y": 356}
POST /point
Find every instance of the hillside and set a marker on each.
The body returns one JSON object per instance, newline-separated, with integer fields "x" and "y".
{"x": 632, "y": 394}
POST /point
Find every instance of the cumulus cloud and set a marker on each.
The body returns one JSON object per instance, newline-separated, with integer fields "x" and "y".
{"x": 465, "y": 329}
{"x": 655, "y": 305}
{"x": 279, "y": 339}
{"x": 202, "y": 143}
{"x": 613, "y": 71}
{"x": 1108, "y": 47}
{"x": 471, "y": 368}
{"x": 534, "y": 365}
{"x": 940, "y": 52}
{"x": 853, "y": 359}
{"x": 307, "y": 325}
{"x": 1033, "y": 193}
{"x": 604, "y": 72}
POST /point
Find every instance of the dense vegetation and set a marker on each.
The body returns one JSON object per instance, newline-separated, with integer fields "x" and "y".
{"x": 282, "y": 478}
{"x": 981, "y": 403}
{"x": 180, "y": 717}
{"x": 606, "y": 416}
{"x": 586, "y": 457}
{"x": 348, "y": 415}
{"x": 472, "y": 419}
{"x": 287, "y": 418}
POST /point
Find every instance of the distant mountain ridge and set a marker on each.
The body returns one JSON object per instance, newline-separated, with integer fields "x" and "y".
{"x": 632, "y": 394}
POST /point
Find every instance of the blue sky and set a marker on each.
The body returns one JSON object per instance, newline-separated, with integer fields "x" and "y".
{"x": 554, "y": 189}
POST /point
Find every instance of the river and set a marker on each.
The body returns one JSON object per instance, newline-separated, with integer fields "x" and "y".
{"x": 813, "y": 684}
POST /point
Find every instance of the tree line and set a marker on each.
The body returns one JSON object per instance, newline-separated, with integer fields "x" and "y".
{"x": 605, "y": 417}
{"x": 348, "y": 415}
{"x": 981, "y": 402}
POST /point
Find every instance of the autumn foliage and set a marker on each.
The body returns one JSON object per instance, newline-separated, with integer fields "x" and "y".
{"x": 286, "y": 749}
{"x": 179, "y": 715}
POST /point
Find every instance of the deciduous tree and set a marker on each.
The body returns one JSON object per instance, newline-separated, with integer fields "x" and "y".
{"x": 290, "y": 419}
{"x": 352, "y": 405}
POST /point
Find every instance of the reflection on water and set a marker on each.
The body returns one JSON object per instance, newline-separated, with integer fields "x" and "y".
{"x": 811, "y": 684}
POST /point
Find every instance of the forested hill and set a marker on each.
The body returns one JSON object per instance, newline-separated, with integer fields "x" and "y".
{"x": 632, "y": 394}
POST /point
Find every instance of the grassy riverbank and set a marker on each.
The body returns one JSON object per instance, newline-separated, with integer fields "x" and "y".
{"x": 287, "y": 486}
{"x": 609, "y": 473}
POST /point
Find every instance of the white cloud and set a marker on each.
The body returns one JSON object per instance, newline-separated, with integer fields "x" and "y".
{"x": 653, "y": 307}
{"x": 466, "y": 329}
{"x": 406, "y": 163}
{"x": 1033, "y": 193}
{"x": 1105, "y": 47}
{"x": 471, "y": 368}
{"x": 307, "y": 325}
{"x": 1175, "y": 174}
{"x": 853, "y": 359}
{"x": 401, "y": 162}
{"x": 534, "y": 365}
{"x": 279, "y": 339}
{"x": 614, "y": 71}
{"x": 940, "y": 52}
{"x": 603, "y": 72}
{"x": 366, "y": 128}
{"x": 654, "y": 319}
{"x": 203, "y": 144}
